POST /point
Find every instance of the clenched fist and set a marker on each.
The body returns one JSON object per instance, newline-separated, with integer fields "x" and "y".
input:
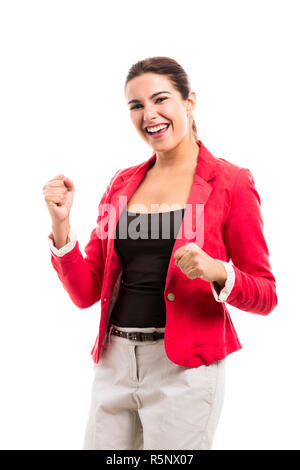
{"x": 59, "y": 194}
{"x": 194, "y": 262}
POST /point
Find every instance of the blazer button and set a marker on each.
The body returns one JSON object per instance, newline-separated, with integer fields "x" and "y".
{"x": 171, "y": 296}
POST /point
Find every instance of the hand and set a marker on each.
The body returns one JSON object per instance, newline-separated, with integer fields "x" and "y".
{"x": 194, "y": 263}
{"x": 59, "y": 194}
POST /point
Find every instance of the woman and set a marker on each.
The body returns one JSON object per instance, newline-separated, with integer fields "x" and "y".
{"x": 177, "y": 236}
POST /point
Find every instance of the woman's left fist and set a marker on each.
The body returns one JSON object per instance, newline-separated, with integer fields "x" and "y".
{"x": 194, "y": 262}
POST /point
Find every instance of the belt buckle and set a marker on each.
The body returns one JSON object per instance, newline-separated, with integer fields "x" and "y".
{"x": 135, "y": 336}
{"x": 153, "y": 336}
{"x": 142, "y": 336}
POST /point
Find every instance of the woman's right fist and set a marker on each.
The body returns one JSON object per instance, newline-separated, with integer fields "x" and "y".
{"x": 59, "y": 194}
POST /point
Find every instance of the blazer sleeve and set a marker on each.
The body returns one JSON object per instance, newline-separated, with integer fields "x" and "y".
{"x": 82, "y": 277}
{"x": 254, "y": 288}
{"x": 71, "y": 241}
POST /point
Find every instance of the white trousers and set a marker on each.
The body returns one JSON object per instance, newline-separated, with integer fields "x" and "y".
{"x": 142, "y": 400}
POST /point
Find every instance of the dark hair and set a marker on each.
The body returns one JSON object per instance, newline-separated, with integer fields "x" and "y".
{"x": 164, "y": 66}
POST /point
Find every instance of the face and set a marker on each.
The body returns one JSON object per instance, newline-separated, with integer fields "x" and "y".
{"x": 153, "y": 100}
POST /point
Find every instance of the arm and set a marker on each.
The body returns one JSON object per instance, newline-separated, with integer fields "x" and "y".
{"x": 221, "y": 293}
{"x": 71, "y": 241}
{"x": 254, "y": 287}
{"x": 82, "y": 277}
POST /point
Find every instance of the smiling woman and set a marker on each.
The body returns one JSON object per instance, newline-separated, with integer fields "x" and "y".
{"x": 173, "y": 95}
{"x": 164, "y": 329}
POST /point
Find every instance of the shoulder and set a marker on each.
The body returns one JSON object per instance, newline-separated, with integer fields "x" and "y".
{"x": 213, "y": 166}
{"x": 232, "y": 174}
{"x": 232, "y": 182}
{"x": 125, "y": 173}
{"x": 226, "y": 168}
{"x": 238, "y": 184}
{"x": 119, "y": 177}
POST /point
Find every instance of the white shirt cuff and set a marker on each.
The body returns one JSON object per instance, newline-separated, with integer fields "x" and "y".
{"x": 223, "y": 294}
{"x": 72, "y": 238}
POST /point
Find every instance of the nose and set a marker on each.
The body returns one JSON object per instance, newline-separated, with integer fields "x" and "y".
{"x": 149, "y": 114}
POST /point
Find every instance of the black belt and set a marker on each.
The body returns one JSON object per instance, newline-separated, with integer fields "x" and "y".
{"x": 138, "y": 335}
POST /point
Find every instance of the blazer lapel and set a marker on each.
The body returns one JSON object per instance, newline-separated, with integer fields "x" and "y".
{"x": 192, "y": 226}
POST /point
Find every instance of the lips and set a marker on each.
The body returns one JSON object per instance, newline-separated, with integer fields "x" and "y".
{"x": 161, "y": 124}
{"x": 155, "y": 125}
{"x": 159, "y": 134}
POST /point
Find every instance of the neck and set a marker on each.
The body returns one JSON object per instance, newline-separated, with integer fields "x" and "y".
{"x": 182, "y": 157}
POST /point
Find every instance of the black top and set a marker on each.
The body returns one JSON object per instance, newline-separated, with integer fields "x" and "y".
{"x": 144, "y": 243}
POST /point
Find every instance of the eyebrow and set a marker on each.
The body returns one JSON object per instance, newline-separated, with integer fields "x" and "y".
{"x": 152, "y": 96}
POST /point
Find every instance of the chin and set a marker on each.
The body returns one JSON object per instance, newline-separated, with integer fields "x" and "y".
{"x": 164, "y": 146}
{"x": 160, "y": 147}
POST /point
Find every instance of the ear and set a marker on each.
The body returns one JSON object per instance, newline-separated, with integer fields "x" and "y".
{"x": 191, "y": 102}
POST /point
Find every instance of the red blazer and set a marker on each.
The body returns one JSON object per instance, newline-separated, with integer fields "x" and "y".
{"x": 198, "y": 329}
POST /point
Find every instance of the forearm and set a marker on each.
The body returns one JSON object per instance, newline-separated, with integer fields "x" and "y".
{"x": 60, "y": 233}
{"x": 254, "y": 294}
{"x": 224, "y": 281}
{"x": 254, "y": 288}
{"x": 221, "y": 275}
{"x": 81, "y": 277}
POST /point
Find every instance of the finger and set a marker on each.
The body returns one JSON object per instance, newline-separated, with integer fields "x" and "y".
{"x": 180, "y": 252}
{"x": 185, "y": 259}
{"x": 58, "y": 177}
{"x": 68, "y": 183}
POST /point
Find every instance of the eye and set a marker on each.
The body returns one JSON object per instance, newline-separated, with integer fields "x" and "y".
{"x": 161, "y": 98}
{"x": 134, "y": 107}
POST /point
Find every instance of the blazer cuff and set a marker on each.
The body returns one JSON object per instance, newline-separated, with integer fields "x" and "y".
{"x": 223, "y": 294}
{"x": 71, "y": 242}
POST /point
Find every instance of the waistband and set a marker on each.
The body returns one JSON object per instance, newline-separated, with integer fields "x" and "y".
{"x": 149, "y": 334}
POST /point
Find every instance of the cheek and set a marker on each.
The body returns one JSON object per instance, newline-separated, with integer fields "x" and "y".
{"x": 134, "y": 119}
{"x": 137, "y": 122}
{"x": 175, "y": 114}
{"x": 169, "y": 111}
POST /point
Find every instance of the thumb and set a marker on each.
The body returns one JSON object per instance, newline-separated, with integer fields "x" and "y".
{"x": 69, "y": 184}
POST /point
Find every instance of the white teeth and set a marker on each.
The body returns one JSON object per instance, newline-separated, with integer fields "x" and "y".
{"x": 158, "y": 128}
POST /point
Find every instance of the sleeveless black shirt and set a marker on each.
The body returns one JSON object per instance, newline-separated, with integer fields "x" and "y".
{"x": 144, "y": 243}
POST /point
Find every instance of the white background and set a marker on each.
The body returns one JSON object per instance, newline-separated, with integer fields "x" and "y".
{"x": 63, "y": 110}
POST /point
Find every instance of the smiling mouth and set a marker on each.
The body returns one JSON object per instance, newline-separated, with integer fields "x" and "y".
{"x": 161, "y": 131}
